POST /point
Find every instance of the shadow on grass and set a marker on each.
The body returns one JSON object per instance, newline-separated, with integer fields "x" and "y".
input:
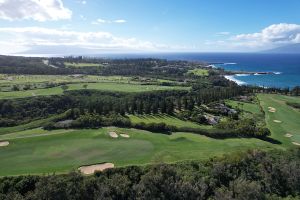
{"x": 271, "y": 140}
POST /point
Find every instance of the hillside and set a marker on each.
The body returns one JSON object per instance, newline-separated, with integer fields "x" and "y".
{"x": 288, "y": 49}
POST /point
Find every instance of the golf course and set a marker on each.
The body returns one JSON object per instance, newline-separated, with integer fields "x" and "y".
{"x": 38, "y": 151}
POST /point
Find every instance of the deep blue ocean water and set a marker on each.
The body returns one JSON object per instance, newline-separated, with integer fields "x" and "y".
{"x": 286, "y": 66}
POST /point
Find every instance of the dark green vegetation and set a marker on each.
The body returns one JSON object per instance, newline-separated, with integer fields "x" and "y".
{"x": 255, "y": 175}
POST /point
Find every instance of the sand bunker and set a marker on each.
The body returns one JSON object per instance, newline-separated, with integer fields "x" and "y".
{"x": 124, "y": 135}
{"x": 288, "y": 135}
{"x": 93, "y": 168}
{"x": 277, "y": 121}
{"x": 295, "y": 143}
{"x": 271, "y": 109}
{"x": 4, "y": 143}
{"x": 113, "y": 134}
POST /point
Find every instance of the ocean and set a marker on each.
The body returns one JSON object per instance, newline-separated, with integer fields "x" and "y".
{"x": 284, "y": 68}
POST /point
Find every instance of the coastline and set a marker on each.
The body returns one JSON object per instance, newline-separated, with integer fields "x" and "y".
{"x": 232, "y": 78}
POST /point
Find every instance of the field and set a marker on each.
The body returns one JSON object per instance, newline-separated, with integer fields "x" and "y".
{"x": 253, "y": 108}
{"x": 25, "y": 79}
{"x": 62, "y": 150}
{"x": 105, "y": 86}
{"x": 68, "y": 64}
{"x": 288, "y": 117}
{"x": 199, "y": 72}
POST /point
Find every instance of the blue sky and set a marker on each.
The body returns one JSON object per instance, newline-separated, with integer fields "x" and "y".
{"x": 147, "y": 25}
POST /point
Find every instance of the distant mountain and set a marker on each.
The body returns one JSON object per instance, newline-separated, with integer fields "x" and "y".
{"x": 289, "y": 49}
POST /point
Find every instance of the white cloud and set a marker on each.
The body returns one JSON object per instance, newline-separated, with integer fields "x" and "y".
{"x": 104, "y": 21}
{"x": 271, "y": 36}
{"x": 39, "y": 10}
{"x": 35, "y": 37}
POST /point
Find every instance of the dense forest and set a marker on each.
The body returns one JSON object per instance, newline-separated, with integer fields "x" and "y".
{"x": 254, "y": 175}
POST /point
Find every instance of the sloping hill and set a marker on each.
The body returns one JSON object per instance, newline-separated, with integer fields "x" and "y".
{"x": 288, "y": 49}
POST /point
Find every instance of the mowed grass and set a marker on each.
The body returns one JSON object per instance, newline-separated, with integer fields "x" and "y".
{"x": 289, "y": 117}
{"x": 115, "y": 87}
{"x": 253, "y": 108}
{"x": 199, "y": 72}
{"x": 42, "y": 152}
{"x": 78, "y": 65}
{"x": 167, "y": 119}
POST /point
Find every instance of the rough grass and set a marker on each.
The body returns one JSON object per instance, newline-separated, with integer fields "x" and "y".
{"x": 41, "y": 152}
{"x": 199, "y": 72}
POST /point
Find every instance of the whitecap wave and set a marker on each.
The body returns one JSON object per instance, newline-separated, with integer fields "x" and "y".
{"x": 232, "y": 78}
{"x": 232, "y": 63}
{"x": 242, "y": 74}
{"x": 257, "y": 74}
{"x": 277, "y": 73}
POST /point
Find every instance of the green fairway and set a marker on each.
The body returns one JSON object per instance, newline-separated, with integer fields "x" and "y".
{"x": 288, "y": 116}
{"x": 117, "y": 87}
{"x": 199, "y": 72}
{"x": 167, "y": 119}
{"x": 61, "y": 151}
{"x": 68, "y": 64}
{"x": 253, "y": 108}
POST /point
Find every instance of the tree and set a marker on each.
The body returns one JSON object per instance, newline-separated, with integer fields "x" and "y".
{"x": 64, "y": 87}
{"x": 85, "y": 86}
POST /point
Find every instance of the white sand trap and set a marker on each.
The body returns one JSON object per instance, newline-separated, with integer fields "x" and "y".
{"x": 271, "y": 109}
{"x": 295, "y": 143}
{"x": 124, "y": 135}
{"x": 277, "y": 121}
{"x": 4, "y": 144}
{"x": 288, "y": 135}
{"x": 113, "y": 134}
{"x": 91, "y": 169}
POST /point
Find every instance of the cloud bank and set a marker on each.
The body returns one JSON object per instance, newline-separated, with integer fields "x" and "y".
{"x": 34, "y": 38}
{"x": 272, "y": 36}
{"x": 39, "y": 10}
